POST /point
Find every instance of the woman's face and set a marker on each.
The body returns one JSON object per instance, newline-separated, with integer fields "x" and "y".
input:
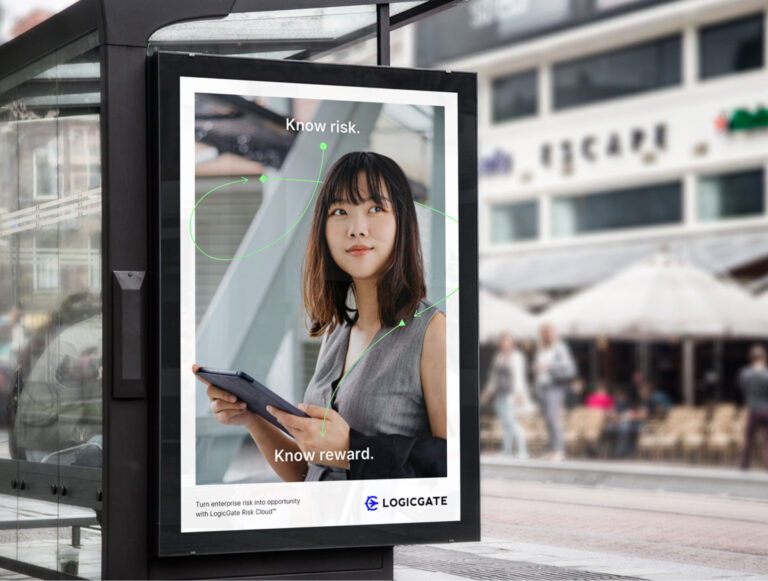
{"x": 361, "y": 236}
{"x": 506, "y": 343}
{"x": 547, "y": 333}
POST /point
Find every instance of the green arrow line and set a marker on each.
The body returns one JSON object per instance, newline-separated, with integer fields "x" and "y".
{"x": 437, "y": 303}
{"x": 436, "y": 210}
{"x": 242, "y": 180}
{"x": 328, "y": 407}
{"x": 323, "y": 147}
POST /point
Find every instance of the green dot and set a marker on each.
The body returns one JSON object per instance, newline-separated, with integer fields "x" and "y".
{"x": 263, "y": 178}
{"x": 323, "y": 145}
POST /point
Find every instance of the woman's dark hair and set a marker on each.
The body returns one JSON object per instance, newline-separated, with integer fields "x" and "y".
{"x": 401, "y": 285}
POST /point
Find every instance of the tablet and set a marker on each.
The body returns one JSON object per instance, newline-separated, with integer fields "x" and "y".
{"x": 254, "y": 394}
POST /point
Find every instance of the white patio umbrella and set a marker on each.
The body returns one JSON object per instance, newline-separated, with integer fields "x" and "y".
{"x": 661, "y": 297}
{"x": 500, "y": 315}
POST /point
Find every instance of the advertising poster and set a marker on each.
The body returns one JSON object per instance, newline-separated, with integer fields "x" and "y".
{"x": 328, "y": 273}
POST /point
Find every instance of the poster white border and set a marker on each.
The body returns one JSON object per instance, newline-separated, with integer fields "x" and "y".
{"x": 313, "y": 504}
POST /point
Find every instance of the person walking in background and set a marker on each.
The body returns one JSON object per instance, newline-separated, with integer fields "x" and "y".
{"x": 753, "y": 381}
{"x": 554, "y": 370}
{"x": 507, "y": 389}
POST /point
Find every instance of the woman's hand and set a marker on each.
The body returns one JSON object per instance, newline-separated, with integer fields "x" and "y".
{"x": 225, "y": 407}
{"x": 328, "y": 450}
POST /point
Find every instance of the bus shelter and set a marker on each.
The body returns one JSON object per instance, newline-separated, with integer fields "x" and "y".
{"x": 85, "y": 136}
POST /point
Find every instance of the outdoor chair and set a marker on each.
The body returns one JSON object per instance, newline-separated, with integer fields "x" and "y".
{"x": 535, "y": 433}
{"x": 572, "y": 432}
{"x": 693, "y": 435}
{"x": 490, "y": 433}
{"x": 662, "y": 439}
{"x": 721, "y": 442}
{"x": 648, "y": 440}
{"x": 583, "y": 431}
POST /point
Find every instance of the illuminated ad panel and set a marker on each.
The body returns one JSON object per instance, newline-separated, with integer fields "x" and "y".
{"x": 319, "y": 302}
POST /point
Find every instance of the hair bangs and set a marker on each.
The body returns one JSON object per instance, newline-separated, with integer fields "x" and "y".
{"x": 358, "y": 170}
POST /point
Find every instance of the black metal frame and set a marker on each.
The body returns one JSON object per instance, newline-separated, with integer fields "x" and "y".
{"x": 170, "y": 67}
{"x": 124, "y": 30}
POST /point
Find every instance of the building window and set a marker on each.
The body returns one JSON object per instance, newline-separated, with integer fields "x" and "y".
{"x": 514, "y": 222}
{"x": 83, "y": 165}
{"x": 44, "y": 172}
{"x": 515, "y": 96}
{"x": 731, "y": 47}
{"x": 45, "y": 262}
{"x": 629, "y": 208}
{"x": 628, "y": 71}
{"x": 732, "y": 195}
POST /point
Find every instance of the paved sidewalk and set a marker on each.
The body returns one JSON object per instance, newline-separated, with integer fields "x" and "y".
{"x": 537, "y": 528}
{"x": 501, "y": 559}
{"x": 634, "y": 474}
{"x": 546, "y": 530}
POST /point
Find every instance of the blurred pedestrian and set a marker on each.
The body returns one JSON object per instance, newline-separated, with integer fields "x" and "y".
{"x": 653, "y": 403}
{"x": 507, "y": 389}
{"x": 753, "y": 381}
{"x": 618, "y": 422}
{"x": 554, "y": 372}
{"x": 631, "y": 415}
{"x": 600, "y": 399}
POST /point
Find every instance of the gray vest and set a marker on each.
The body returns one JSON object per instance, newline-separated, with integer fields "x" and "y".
{"x": 382, "y": 393}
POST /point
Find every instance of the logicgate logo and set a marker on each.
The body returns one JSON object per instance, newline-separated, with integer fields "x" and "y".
{"x": 372, "y": 503}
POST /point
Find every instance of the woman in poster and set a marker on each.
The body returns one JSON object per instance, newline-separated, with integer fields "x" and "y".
{"x": 382, "y": 363}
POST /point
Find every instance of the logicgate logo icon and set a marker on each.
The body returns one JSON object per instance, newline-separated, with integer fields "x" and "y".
{"x": 372, "y": 503}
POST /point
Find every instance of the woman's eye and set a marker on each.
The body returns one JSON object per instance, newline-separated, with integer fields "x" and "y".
{"x": 338, "y": 212}
{"x": 376, "y": 209}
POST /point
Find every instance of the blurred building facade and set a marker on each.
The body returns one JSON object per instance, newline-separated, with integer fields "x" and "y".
{"x": 609, "y": 130}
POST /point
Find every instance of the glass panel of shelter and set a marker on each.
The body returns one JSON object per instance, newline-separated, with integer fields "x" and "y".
{"x": 11, "y": 330}
{"x": 50, "y": 205}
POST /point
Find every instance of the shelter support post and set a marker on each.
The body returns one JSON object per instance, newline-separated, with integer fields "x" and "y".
{"x": 643, "y": 358}
{"x": 718, "y": 369}
{"x": 382, "y": 35}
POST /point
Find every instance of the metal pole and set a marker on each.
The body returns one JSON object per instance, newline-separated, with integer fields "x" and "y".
{"x": 382, "y": 35}
{"x": 718, "y": 357}
{"x": 688, "y": 372}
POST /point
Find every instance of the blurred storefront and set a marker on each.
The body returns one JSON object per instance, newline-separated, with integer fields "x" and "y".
{"x": 610, "y": 131}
